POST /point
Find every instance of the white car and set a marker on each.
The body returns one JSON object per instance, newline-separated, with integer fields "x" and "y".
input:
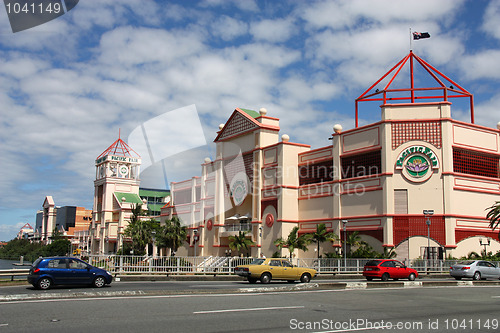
{"x": 475, "y": 269}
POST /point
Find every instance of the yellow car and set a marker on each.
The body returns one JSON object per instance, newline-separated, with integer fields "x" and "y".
{"x": 267, "y": 269}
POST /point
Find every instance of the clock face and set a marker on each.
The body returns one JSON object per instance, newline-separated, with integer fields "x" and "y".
{"x": 123, "y": 170}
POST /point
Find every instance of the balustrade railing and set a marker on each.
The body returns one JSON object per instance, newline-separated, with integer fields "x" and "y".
{"x": 225, "y": 265}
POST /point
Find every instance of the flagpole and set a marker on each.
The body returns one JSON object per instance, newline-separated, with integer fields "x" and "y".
{"x": 410, "y": 40}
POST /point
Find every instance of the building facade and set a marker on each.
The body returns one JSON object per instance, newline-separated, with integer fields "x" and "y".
{"x": 116, "y": 192}
{"x": 65, "y": 220}
{"x": 376, "y": 179}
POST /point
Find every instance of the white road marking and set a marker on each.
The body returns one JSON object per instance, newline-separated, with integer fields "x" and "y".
{"x": 250, "y": 309}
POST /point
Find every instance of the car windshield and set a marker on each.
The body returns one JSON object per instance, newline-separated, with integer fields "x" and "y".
{"x": 470, "y": 262}
{"x": 257, "y": 262}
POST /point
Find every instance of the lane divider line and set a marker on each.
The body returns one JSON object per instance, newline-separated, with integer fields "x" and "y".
{"x": 250, "y": 309}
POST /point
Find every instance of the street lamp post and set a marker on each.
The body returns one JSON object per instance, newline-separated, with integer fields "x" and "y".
{"x": 153, "y": 236}
{"x": 195, "y": 239}
{"x": 427, "y": 214}
{"x": 487, "y": 243}
{"x": 259, "y": 255}
{"x": 344, "y": 222}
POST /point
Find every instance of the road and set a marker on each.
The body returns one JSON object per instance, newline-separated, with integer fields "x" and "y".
{"x": 438, "y": 309}
{"x": 151, "y": 286}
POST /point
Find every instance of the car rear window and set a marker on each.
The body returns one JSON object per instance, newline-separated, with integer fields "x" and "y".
{"x": 470, "y": 262}
{"x": 257, "y": 262}
{"x": 36, "y": 262}
{"x": 373, "y": 263}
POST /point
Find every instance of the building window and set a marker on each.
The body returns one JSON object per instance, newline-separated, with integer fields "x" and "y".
{"x": 182, "y": 197}
{"x": 362, "y": 164}
{"x": 475, "y": 163}
{"x": 401, "y": 201}
{"x": 314, "y": 173}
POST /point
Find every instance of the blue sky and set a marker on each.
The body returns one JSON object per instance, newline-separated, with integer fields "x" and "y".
{"x": 68, "y": 86}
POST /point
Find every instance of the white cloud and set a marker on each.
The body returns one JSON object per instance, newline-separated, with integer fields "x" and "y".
{"x": 482, "y": 65}
{"x": 490, "y": 19}
{"x": 347, "y": 14}
{"x": 275, "y": 30}
{"x": 244, "y": 5}
{"x": 228, "y": 28}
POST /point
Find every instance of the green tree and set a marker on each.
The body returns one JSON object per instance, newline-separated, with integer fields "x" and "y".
{"x": 140, "y": 231}
{"x": 353, "y": 240}
{"x": 388, "y": 253}
{"x": 294, "y": 241}
{"x": 59, "y": 247}
{"x": 494, "y": 215}
{"x": 240, "y": 242}
{"x": 322, "y": 235}
{"x": 172, "y": 234}
{"x": 21, "y": 247}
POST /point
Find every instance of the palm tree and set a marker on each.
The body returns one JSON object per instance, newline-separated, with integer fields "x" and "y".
{"x": 494, "y": 215}
{"x": 172, "y": 234}
{"x": 389, "y": 253}
{"x": 353, "y": 239}
{"x": 321, "y": 235}
{"x": 294, "y": 241}
{"x": 140, "y": 231}
{"x": 240, "y": 242}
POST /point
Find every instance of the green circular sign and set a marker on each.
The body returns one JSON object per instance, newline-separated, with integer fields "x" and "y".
{"x": 417, "y": 166}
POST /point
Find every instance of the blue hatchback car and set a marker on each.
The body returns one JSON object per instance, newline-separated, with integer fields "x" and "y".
{"x": 46, "y": 272}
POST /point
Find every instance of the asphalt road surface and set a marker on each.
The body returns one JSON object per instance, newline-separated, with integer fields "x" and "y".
{"x": 450, "y": 309}
{"x": 149, "y": 286}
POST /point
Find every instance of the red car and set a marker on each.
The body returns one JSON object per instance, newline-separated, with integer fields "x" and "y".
{"x": 386, "y": 269}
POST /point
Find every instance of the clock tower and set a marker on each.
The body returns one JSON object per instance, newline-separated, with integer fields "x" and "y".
{"x": 116, "y": 192}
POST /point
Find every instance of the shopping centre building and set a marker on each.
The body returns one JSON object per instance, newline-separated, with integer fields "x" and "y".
{"x": 376, "y": 179}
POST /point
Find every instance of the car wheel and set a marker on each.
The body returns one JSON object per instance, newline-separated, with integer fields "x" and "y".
{"x": 305, "y": 278}
{"x": 477, "y": 276}
{"x": 99, "y": 282}
{"x": 252, "y": 280}
{"x": 265, "y": 278}
{"x": 385, "y": 277}
{"x": 411, "y": 277}
{"x": 369, "y": 278}
{"x": 44, "y": 283}
{"x": 458, "y": 278}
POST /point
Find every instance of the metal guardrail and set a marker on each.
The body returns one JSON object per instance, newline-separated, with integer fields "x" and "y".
{"x": 6, "y": 273}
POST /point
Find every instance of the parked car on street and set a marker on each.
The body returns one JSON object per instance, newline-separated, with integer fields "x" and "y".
{"x": 47, "y": 272}
{"x": 475, "y": 269}
{"x": 386, "y": 269}
{"x": 267, "y": 269}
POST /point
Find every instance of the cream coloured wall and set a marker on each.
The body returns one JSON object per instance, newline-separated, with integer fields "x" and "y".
{"x": 470, "y": 244}
{"x": 315, "y": 208}
{"x": 368, "y": 137}
{"x": 359, "y": 204}
{"x": 416, "y": 111}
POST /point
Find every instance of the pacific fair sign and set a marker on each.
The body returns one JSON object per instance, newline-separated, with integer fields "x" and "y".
{"x": 114, "y": 158}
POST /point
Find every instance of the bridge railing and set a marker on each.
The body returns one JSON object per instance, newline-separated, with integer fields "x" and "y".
{"x": 118, "y": 264}
{"x": 225, "y": 265}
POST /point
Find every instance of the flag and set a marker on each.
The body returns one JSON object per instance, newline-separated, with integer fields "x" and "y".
{"x": 420, "y": 35}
